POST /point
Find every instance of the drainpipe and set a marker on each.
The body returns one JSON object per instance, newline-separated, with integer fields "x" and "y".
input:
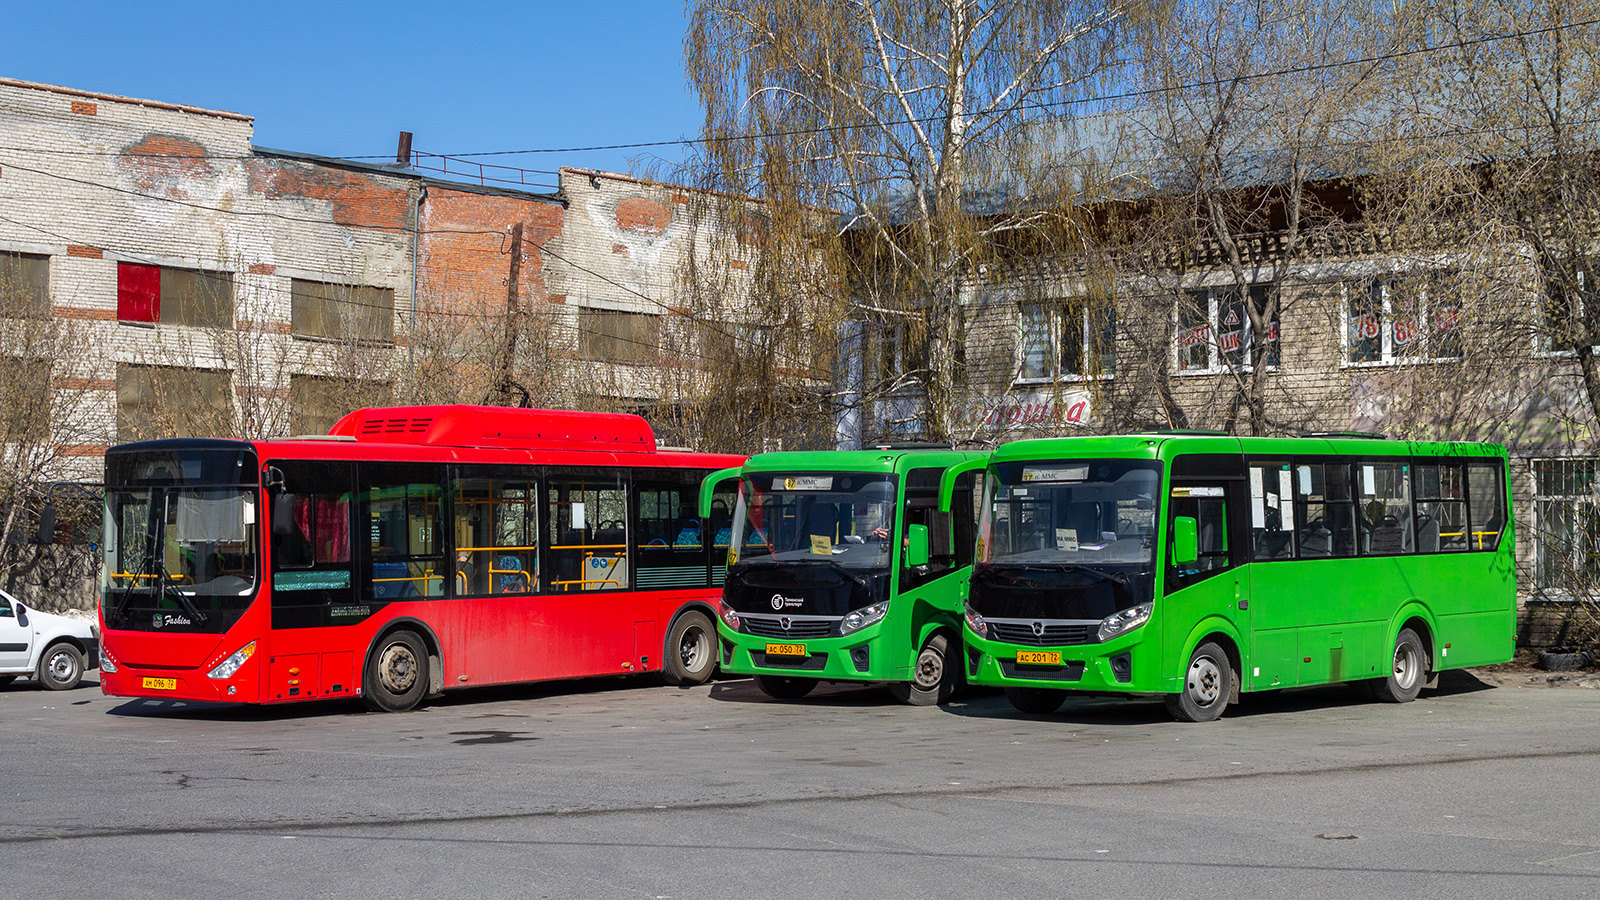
{"x": 416, "y": 229}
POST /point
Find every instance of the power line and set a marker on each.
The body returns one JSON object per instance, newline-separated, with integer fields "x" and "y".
{"x": 1142, "y": 93}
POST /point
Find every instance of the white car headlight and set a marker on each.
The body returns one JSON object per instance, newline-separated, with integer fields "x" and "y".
{"x": 227, "y": 667}
{"x": 976, "y": 623}
{"x": 857, "y": 619}
{"x": 1124, "y": 621}
{"x": 729, "y": 617}
{"x": 107, "y": 664}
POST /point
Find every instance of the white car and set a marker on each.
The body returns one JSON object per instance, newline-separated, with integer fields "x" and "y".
{"x": 49, "y": 647}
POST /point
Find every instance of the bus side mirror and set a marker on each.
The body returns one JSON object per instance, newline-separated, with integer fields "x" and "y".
{"x": 282, "y": 514}
{"x": 1185, "y": 540}
{"x": 272, "y": 479}
{"x": 916, "y": 546}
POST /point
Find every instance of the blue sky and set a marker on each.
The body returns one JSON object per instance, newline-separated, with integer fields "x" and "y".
{"x": 345, "y": 79}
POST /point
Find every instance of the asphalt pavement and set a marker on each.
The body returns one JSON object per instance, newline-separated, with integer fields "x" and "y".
{"x": 617, "y": 788}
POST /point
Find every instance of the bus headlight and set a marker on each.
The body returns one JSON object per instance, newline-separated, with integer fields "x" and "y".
{"x": 976, "y": 623}
{"x": 227, "y": 667}
{"x": 729, "y": 617}
{"x": 107, "y": 664}
{"x": 857, "y": 619}
{"x": 1124, "y": 621}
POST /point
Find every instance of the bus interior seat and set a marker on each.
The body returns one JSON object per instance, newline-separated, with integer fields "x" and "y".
{"x": 1386, "y": 536}
{"x": 1273, "y": 544}
{"x": 1427, "y": 534}
{"x": 1317, "y": 540}
{"x": 387, "y": 583}
{"x": 688, "y": 535}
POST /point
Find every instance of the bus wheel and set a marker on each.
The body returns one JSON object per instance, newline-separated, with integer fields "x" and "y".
{"x": 1206, "y": 686}
{"x": 397, "y": 673}
{"x": 782, "y": 687}
{"x": 691, "y": 650}
{"x": 1035, "y": 701}
{"x": 933, "y": 680}
{"x": 61, "y": 668}
{"x": 1405, "y": 677}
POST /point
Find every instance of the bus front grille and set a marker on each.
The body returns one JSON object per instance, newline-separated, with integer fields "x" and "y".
{"x": 1052, "y": 635}
{"x": 773, "y": 626}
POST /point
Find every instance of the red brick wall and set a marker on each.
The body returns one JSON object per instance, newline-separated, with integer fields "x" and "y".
{"x": 461, "y": 270}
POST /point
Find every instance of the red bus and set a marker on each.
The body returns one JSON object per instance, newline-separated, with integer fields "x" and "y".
{"x": 409, "y": 551}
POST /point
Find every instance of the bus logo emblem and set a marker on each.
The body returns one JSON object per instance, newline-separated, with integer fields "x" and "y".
{"x": 777, "y": 601}
{"x": 785, "y": 622}
{"x": 1038, "y": 629}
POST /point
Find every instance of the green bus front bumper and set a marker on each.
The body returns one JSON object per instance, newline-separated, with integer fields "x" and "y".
{"x": 1124, "y": 665}
{"x": 861, "y": 656}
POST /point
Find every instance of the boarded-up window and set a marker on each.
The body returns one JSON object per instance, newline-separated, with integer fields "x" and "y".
{"x": 24, "y": 284}
{"x": 24, "y": 400}
{"x": 341, "y": 311}
{"x": 169, "y": 401}
{"x": 194, "y": 297}
{"x": 316, "y": 402}
{"x": 623, "y": 337}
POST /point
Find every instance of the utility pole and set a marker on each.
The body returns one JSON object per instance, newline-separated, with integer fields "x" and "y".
{"x": 508, "y": 384}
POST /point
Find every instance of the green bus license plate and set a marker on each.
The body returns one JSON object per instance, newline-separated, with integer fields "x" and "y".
{"x": 160, "y": 684}
{"x": 1039, "y": 657}
{"x": 786, "y": 649}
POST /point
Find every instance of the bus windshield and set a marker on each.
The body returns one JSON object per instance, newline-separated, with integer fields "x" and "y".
{"x": 842, "y": 518}
{"x": 179, "y": 556}
{"x": 1086, "y": 512}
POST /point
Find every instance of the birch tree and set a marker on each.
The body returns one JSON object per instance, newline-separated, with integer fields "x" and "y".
{"x": 930, "y": 126}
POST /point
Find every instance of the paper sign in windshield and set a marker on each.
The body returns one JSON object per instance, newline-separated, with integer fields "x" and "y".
{"x": 808, "y": 483}
{"x": 1066, "y": 538}
{"x": 1058, "y": 473}
{"x": 821, "y": 545}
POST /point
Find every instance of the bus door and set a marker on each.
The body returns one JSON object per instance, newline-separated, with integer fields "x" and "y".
{"x": 588, "y": 572}
{"x": 950, "y": 545}
{"x": 1217, "y": 583}
{"x": 1276, "y": 605}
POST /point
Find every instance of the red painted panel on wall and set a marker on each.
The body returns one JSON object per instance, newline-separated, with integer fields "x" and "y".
{"x": 138, "y": 293}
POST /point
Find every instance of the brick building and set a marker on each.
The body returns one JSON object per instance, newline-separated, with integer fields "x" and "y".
{"x": 178, "y": 279}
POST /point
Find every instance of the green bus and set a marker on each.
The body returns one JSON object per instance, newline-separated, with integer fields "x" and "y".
{"x": 1197, "y": 566}
{"x": 842, "y": 566}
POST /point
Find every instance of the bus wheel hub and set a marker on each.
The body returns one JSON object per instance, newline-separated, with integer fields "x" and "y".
{"x": 398, "y": 668}
{"x": 1205, "y": 681}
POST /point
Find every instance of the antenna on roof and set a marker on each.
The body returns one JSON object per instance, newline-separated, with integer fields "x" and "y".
{"x": 1359, "y": 435}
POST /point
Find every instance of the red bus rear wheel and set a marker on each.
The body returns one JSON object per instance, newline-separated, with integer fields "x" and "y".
{"x": 691, "y": 652}
{"x": 397, "y": 672}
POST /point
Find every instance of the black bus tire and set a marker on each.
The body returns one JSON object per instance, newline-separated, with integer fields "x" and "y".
{"x": 1207, "y": 685}
{"x": 933, "y": 677}
{"x": 784, "y": 687}
{"x": 1035, "y": 701}
{"x": 396, "y": 674}
{"x": 61, "y": 667}
{"x": 1407, "y": 670}
{"x": 691, "y": 651}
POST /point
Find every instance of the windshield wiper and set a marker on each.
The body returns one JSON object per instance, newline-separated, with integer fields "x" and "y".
{"x": 169, "y": 590}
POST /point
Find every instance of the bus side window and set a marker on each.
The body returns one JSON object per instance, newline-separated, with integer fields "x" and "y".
{"x": 1208, "y": 506}
{"x": 1271, "y": 511}
{"x": 402, "y": 506}
{"x": 669, "y": 539}
{"x": 1385, "y": 507}
{"x": 1486, "y": 502}
{"x": 1325, "y": 506}
{"x": 588, "y": 532}
{"x": 922, "y": 508}
{"x": 496, "y": 533}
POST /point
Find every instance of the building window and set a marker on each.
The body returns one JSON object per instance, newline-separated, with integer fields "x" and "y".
{"x": 611, "y": 335}
{"x": 24, "y": 284}
{"x": 1214, "y": 330}
{"x": 1392, "y": 320}
{"x": 193, "y": 297}
{"x": 169, "y": 401}
{"x": 316, "y": 401}
{"x": 1566, "y": 525}
{"x": 24, "y": 400}
{"x": 1561, "y": 319}
{"x": 898, "y": 350}
{"x": 1068, "y": 340}
{"x": 338, "y": 312}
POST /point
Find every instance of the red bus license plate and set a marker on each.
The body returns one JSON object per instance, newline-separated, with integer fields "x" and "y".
{"x": 160, "y": 684}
